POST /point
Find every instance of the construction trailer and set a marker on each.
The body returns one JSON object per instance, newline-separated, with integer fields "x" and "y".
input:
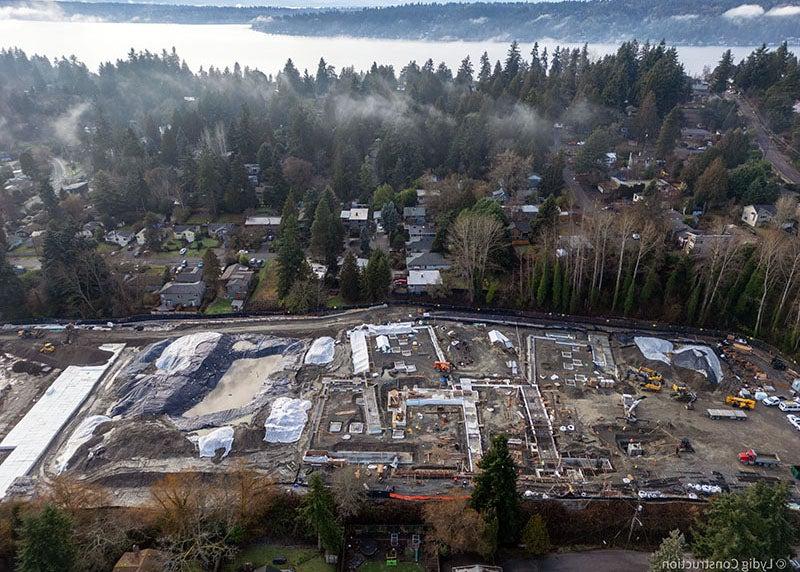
{"x": 734, "y": 415}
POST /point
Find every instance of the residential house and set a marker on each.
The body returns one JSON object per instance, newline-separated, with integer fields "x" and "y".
{"x": 354, "y": 219}
{"x": 414, "y": 215}
{"x": 221, "y": 231}
{"x": 268, "y": 224}
{"x": 185, "y": 232}
{"x": 237, "y": 279}
{"x": 182, "y": 294}
{"x": 521, "y": 227}
{"x": 423, "y": 281}
{"x": 427, "y": 261}
{"x": 610, "y": 159}
{"x": 700, "y": 244}
{"x": 696, "y": 137}
{"x": 253, "y": 171}
{"x": 147, "y": 560}
{"x": 758, "y": 215}
{"x": 119, "y": 237}
{"x": 88, "y": 229}
{"x": 419, "y": 245}
{"x": 78, "y": 188}
{"x": 189, "y": 275}
{"x": 415, "y": 230}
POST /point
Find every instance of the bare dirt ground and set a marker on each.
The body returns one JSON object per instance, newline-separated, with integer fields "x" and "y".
{"x": 238, "y": 385}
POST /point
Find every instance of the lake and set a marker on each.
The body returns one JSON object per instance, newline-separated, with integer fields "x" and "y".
{"x": 222, "y": 45}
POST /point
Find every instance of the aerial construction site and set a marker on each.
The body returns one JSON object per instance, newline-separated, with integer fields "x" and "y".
{"x": 413, "y": 398}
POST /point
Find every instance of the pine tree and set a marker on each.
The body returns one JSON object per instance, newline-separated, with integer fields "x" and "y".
{"x": 211, "y": 269}
{"x": 670, "y": 133}
{"x": 495, "y": 490}
{"x": 543, "y": 290}
{"x": 46, "y": 543}
{"x": 290, "y": 253}
{"x": 630, "y": 297}
{"x": 557, "y": 285}
{"x": 318, "y": 511}
{"x": 670, "y": 553}
{"x": 535, "y": 536}
{"x": 350, "y": 279}
{"x": 377, "y": 276}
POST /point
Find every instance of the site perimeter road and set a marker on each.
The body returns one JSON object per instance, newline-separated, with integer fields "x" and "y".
{"x": 770, "y": 144}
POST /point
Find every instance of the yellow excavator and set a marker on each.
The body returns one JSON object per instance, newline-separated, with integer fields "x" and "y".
{"x": 740, "y": 402}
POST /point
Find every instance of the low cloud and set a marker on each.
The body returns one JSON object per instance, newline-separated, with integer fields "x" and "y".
{"x": 481, "y": 20}
{"x": 784, "y": 11}
{"x": 684, "y": 17}
{"x": 744, "y": 12}
{"x": 66, "y": 126}
{"x": 41, "y": 11}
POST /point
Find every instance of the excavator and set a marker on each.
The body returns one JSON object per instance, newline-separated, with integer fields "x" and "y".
{"x": 629, "y": 404}
{"x": 682, "y": 392}
{"x": 740, "y": 402}
{"x": 650, "y": 379}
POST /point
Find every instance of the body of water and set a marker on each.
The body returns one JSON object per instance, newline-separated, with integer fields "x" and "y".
{"x": 223, "y": 45}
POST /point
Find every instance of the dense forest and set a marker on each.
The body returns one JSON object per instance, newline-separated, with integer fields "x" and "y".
{"x": 717, "y": 22}
{"x": 163, "y": 141}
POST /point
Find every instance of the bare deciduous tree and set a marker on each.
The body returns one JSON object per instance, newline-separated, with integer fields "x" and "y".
{"x": 348, "y": 491}
{"x": 455, "y": 528}
{"x": 473, "y": 239}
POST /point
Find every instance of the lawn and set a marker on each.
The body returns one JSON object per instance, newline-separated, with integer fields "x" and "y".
{"x": 266, "y": 289}
{"x": 301, "y": 559}
{"x": 23, "y": 251}
{"x": 335, "y": 301}
{"x": 219, "y": 306}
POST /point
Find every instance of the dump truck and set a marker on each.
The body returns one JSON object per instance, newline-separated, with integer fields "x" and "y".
{"x": 740, "y": 402}
{"x": 726, "y": 414}
{"x": 751, "y": 457}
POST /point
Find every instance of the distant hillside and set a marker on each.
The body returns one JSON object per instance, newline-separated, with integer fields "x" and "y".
{"x": 167, "y": 13}
{"x": 687, "y": 22}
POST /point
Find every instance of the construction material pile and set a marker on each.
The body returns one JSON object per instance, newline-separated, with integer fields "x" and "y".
{"x": 699, "y": 358}
{"x": 170, "y": 377}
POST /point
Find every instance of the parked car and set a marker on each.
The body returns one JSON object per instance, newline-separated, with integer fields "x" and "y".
{"x": 794, "y": 420}
{"x": 771, "y": 401}
{"x": 182, "y": 251}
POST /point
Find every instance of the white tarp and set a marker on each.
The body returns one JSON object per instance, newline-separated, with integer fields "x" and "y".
{"x": 321, "y": 351}
{"x": 286, "y": 420}
{"x": 358, "y": 341}
{"x": 696, "y": 357}
{"x": 497, "y": 337}
{"x": 180, "y": 354}
{"x": 382, "y": 343}
{"x": 29, "y": 438}
{"x": 81, "y": 434}
{"x": 220, "y": 438}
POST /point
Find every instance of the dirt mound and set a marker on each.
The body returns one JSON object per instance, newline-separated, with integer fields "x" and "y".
{"x": 71, "y": 354}
{"x": 123, "y": 440}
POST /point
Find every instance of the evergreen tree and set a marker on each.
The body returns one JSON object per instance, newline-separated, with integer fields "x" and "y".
{"x": 211, "y": 269}
{"x": 318, "y": 512}
{"x": 350, "y": 279}
{"x": 377, "y": 276}
{"x": 543, "y": 290}
{"x": 670, "y": 553}
{"x": 670, "y": 133}
{"x": 535, "y": 536}
{"x": 558, "y": 280}
{"x": 12, "y": 292}
{"x": 722, "y": 73}
{"x": 750, "y": 525}
{"x": 495, "y": 490}
{"x": 46, "y": 543}
{"x": 712, "y": 186}
{"x": 647, "y": 122}
{"x": 290, "y": 253}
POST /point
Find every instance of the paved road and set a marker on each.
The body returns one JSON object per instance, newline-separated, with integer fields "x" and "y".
{"x": 58, "y": 174}
{"x": 771, "y": 146}
{"x": 594, "y": 560}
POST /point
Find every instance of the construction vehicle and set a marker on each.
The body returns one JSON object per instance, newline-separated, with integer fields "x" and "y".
{"x": 684, "y": 394}
{"x": 443, "y": 366}
{"x": 649, "y": 379}
{"x": 47, "y": 348}
{"x": 685, "y": 446}
{"x": 26, "y": 333}
{"x": 629, "y": 404}
{"x": 751, "y": 457}
{"x": 740, "y": 402}
{"x": 726, "y": 414}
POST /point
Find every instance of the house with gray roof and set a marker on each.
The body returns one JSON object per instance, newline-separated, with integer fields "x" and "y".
{"x": 182, "y": 294}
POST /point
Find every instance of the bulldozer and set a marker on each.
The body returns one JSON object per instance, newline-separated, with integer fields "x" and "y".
{"x": 649, "y": 379}
{"x": 740, "y": 402}
{"x": 47, "y": 348}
